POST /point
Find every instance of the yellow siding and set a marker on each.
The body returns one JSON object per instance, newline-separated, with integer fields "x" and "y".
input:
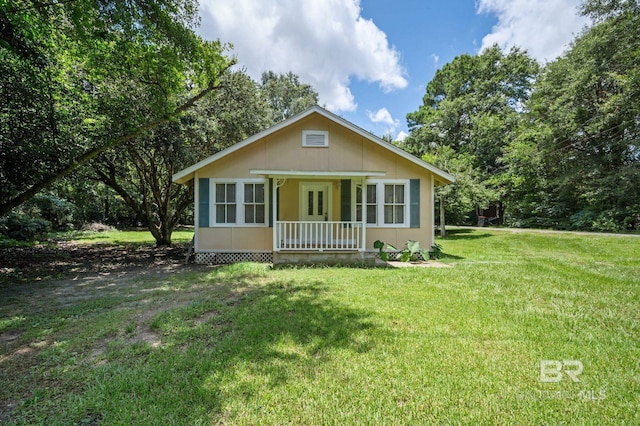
{"x": 235, "y": 239}
{"x": 283, "y": 150}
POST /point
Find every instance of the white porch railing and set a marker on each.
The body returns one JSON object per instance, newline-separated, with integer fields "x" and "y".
{"x": 318, "y": 236}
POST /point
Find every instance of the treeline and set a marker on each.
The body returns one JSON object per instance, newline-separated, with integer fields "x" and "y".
{"x": 102, "y": 101}
{"x": 557, "y": 146}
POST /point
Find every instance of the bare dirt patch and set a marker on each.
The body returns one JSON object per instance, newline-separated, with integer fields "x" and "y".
{"x": 63, "y": 259}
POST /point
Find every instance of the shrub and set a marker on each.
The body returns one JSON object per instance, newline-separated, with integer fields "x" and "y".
{"x": 54, "y": 210}
{"x": 605, "y": 223}
{"x": 23, "y": 228}
{"x": 582, "y": 220}
{"x": 411, "y": 253}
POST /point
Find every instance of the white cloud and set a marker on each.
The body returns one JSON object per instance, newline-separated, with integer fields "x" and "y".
{"x": 383, "y": 116}
{"x": 402, "y": 136}
{"x": 436, "y": 59}
{"x": 326, "y": 43}
{"x": 543, "y": 27}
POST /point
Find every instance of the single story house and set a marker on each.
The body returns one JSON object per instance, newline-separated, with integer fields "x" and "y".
{"x": 312, "y": 188}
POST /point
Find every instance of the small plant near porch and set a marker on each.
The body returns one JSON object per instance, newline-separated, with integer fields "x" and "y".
{"x": 411, "y": 253}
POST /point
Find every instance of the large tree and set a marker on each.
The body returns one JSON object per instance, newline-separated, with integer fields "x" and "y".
{"x": 471, "y": 111}
{"x": 141, "y": 172}
{"x": 79, "y": 78}
{"x": 585, "y": 128}
{"x": 473, "y": 105}
{"x": 286, "y": 95}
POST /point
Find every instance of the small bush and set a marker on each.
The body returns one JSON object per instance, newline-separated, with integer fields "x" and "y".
{"x": 605, "y": 223}
{"x": 23, "y": 228}
{"x": 58, "y": 212}
{"x": 582, "y": 221}
{"x": 411, "y": 253}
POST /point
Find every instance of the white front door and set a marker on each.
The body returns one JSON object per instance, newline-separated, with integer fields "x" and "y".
{"x": 315, "y": 202}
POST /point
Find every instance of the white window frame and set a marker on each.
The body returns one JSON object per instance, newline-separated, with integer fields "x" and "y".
{"x": 365, "y": 203}
{"x": 315, "y": 132}
{"x": 380, "y": 183}
{"x": 239, "y": 203}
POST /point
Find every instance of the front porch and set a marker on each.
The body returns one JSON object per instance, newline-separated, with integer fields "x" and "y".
{"x": 318, "y": 211}
{"x": 319, "y": 236}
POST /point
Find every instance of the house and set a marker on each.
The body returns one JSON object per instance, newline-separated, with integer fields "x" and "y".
{"x": 311, "y": 189}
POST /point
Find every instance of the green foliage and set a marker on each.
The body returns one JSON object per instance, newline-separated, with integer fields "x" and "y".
{"x": 576, "y": 163}
{"x": 58, "y": 212}
{"x": 435, "y": 252}
{"x": 380, "y": 245}
{"x": 473, "y": 105}
{"x": 471, "y": 110}
{"x": 411, "y": 253}
{"x": 286, "y": 95}
{"x": 468, "y": 192}
{"x": 141, "y": 173}
{"x": 80, "y": 77}
{"x": 558, "y": 147}
{"x": 24, "y": 228}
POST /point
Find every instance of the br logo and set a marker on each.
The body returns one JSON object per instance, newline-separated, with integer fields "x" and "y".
{"x": 552, "y": 371}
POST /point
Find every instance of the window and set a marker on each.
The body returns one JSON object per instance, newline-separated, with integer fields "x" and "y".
{"x": 385, "y": 203}
{"x": 239, "y": 202}
{"x": 370, "y": 204}
{"x": 254, "y": 203}
{"x": 315, "y": 139}
{"x": 225, "y": 203}
{"x": 394, "y": 203}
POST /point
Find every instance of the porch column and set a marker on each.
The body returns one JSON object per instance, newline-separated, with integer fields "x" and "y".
{"x": 274, "y": 212}
{"x": 364, "y": 214}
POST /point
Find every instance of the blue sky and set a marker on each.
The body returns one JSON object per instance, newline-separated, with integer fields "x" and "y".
{"x": 370, "y": 60}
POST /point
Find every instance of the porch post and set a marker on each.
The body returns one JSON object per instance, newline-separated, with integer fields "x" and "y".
{"x": 274, "y": 211}
{"x": 364, "y": 214}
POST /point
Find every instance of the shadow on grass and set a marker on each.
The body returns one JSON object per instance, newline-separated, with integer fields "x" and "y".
{"x": 277, "y": 332}
{"x": 465, "y": 234}
{"x": 445, "y": 256}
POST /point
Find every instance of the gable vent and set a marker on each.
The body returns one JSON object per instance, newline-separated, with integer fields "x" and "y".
{"x": 315, "y": 138}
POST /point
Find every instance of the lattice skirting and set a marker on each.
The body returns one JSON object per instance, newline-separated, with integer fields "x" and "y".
{"x": 230, "y": 257}
{"x": 395, "y": 256}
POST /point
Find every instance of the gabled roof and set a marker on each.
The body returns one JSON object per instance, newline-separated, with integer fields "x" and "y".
{"x": 186, "y": 175}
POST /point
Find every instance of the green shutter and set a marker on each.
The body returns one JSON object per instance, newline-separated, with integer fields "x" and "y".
{"x": 203, "y": 195}
{"x": 345, "y": 200}
{"x": 267, "y": 203}
{"x": 414, "y": 203}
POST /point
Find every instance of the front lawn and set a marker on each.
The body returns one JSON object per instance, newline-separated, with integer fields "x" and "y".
{"x": 244, "y": 344}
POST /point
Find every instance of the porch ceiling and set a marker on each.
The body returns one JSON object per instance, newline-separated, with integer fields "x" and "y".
{"x": 318, "y": 173}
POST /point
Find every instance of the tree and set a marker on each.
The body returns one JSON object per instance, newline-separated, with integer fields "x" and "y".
{"x": 468, "y": 191}
{"x": 473, "y": 105}
{"x": 585, "y": 113}
{"x": 83, "y": 77}
{"x": 286, "y": 95}
{"x": 471, "y": 110}
{"x": 141, "y": 173}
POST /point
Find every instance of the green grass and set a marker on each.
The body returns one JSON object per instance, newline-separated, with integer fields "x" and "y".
{"x": 244, "y": 344}
{"x": 106, "y": 237}
{"x": 121, "y": 237}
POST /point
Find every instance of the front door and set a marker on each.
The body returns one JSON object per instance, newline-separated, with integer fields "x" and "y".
{"x": 315, "y": 204}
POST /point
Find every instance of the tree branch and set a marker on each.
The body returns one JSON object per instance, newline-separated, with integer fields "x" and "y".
{"x": 94, "y": 152}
